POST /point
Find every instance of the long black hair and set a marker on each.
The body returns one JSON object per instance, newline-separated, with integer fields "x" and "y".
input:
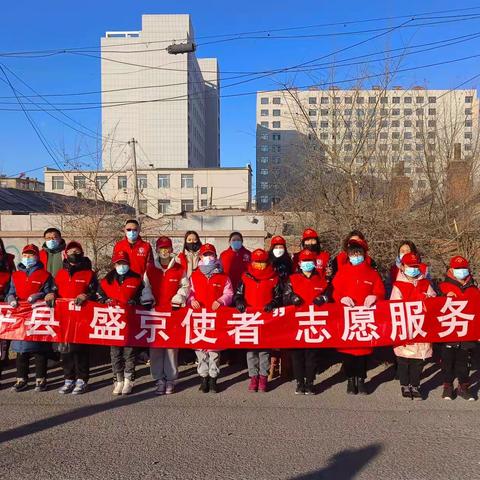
{"x": 187, "y": 233}
{"x": 413, "y": 247}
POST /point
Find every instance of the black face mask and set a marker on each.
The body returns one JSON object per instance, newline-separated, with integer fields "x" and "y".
{"x": 313, "y": 248}
{"x": 192, "y": 247}
{"x": 75, "y": 258}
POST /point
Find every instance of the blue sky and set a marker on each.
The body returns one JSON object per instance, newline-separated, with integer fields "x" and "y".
{"x": 54, "y": 24}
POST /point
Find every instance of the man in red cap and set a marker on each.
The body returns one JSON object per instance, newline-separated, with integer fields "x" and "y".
{"x": 167, "y": 287}
{"x": 30, "y": 283}
{"x": 311, "y": 241}
{"x": 139, "y": 251}
{"x": 235, "y": 258}
{"x": 460, "y": 285}
{"x": 210, "y": 288}
{"x": 259, "y": 289}
{"x": 122, "y": 286}
{"x": 411, "y": 286}
{"x": 306, "y": 287}
{"x": 76, "y": 280}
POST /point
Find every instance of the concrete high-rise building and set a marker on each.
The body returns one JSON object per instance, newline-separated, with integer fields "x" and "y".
{"x": 409, "y": 130}
{"x": 168, "y": 103}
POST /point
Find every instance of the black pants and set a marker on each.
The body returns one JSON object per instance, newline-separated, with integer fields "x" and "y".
{"x": 409, "y": 371}
{"x": 454, "y": 364}
{"x": 355, "y": 366}
{"x": 304, "y": 364}
{"x": 123, "y": 361}
{"x": 23, "y": 364}
{"x": 76, "y": 364}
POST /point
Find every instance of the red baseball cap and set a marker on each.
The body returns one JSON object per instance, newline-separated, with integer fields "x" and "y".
{"x": 306, "y": 255}
{"x": 31, "y": 248}
{"x": 207, "y": 248}
{"x": 459, "y": 262}
{"x": 163, "y": 242}
{"x": 411, "y": 260}
{"x": 358, "y": 242}
{"x": 259, "y": 255}
{"x": 309, "y": 233}
{"x": 277, "y": 240}
{"x": 73, "y": 244}
{"x": 121, "y": 256}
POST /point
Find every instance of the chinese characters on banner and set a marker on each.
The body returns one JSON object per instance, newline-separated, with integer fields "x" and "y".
{"x": 331, "y": 326}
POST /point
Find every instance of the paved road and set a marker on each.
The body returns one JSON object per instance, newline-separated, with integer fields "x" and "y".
{"x": 237, "y": 435}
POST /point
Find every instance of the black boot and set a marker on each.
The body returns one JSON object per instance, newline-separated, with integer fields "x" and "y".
{"x": 309, "y": 388}
{"x": 300, "y": 387}
{"x": 213, "y": 385}
{"x": 361, "y": 387}
{"x": 351, "y": 386}
{"x": 204, "y": 387}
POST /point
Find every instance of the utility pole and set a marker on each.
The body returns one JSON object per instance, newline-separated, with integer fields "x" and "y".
{"x": 136, "y": 198}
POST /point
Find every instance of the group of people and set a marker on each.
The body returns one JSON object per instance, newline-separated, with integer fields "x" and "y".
{"x": 199, "y": 277}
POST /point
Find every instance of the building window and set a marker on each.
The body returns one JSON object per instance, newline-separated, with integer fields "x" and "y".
{"x": 348, "y": 100}
{"x": 419, "y": 99}
{"x": 468, "y": 123}
{"x": 360, "y": 100}
{"x": 395, "y": 123}
{"x": 187, "y": 205}
{"x": 264, "y": 185}
{"x": 276, "y": 124}
{"x": 276, "y": 113}
{"x": 383, "y": 135}
{"x": 264, "y": 100}
{"x": 264, "y": 199}
{"x": 407, "y": 135}
{"x": 324, "y": 136}
{"x": 163, "y": 180}
{"x": 163, "y": 206}
{"x": 264, "y": 136}
{"x": 336, "y": 100}
{"x": 312, "y": 100}
{"x": 121, "y": 182}
{"x": 408, "y": 111}
{"x": 142, "y": 181}
{"x": 407, "y": 123}
{"x": 264, "y": 148}
{"x": 263, "y": 159}
{"x": 264, "y": 171}
{"x": 187, "y": 182}
{"x": 396, "y": 100}
{"x": 324, "y": 101}
{"x": 204, "y": 203}
{"x": 57, "y": 183}
{"x": 419, "y": 111}
{"x": 323, "y": 124}
{"x": 468, "y": 147}
{"x": 468, "y": 135}
{"x": 432, "y": 99}
{"x": 312, "y": 113}
{"x": 384, "y": 100}
{"x": 323, "y": 112}
{"x": 101, "y": 181}
{"x": 468, "y": 111}
{"x": 407, "y": 146}
{"x": 372, "y": 100}
{"x": 143, "y": 205}
{"x": 432, "y": 111}
{"x": 203, "y": 190}
{"x": 276, "y": 100}
{"x": 422, "y": 184}
{"x": 432, "y": 123}
{"x": 79, "y": 182}
{"x": 264, "y": 124}
{"x": 469, "y": 99}
{"x": 264, "y": 113}
{"x": 396, "y": 111}
{"x": 276, "y": 137}
{"x": 395, "y": 134}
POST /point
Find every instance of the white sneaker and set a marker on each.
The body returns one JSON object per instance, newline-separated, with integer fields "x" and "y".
{"x": 67, "y": 387}
{"x": 160, "y": 390}
{"x": 80, "y": 387}
{"x": 170, "y": 388}
{"x": 118, "y": 388}
{"x": 127, "y": 386}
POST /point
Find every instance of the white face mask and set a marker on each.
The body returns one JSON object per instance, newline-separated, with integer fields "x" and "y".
{"x": 278, "y": 252}
{"x": 208, "y": 260}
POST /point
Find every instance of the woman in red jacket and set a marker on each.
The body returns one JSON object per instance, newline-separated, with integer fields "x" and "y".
{"x": 75, "y": 280}
{"x": 311, "y": 241}
{"x": 357, "y": 284}
{"x": 235, "y": 259}
{"x": 460, "y": 285}
{"x": 260, "y": 289}
{"x": 306, "y": 287}
{"x": 123, "y": 286}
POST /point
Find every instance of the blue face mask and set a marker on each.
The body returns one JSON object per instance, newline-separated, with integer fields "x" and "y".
{"x": 132, "y": 235}
{"x": 461, "y": 273}
{"x": 307, "y": 266}
{"x": 236, "y": 244}
{"x": 29, "y": 261}
{"x": 356, "y": 259}
{"x": 52, "y": 244}
{"x": 122, "y": 269}
{"x": 412, "y": 272}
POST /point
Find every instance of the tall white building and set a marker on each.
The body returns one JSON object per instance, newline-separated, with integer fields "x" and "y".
{"x": 414, "y": 128}
{"x": 168, "y": 103}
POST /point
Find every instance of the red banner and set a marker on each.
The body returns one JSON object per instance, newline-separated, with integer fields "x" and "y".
{"x": 442, "y": 319}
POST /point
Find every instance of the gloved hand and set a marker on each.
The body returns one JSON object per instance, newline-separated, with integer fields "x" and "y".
{"x": 319, "y": 301}
{"x": 296, "y": 300}
{"x": 370, "y": 301}
{"x": 269, "y": 307}
{"x": 347, "y": 301}
{"x": 81, "y": 299}
{"x": 175, "y": 306}
{"x": 240, "y": 305}
{"x": 14, "y": 303}
{"x": 147, "y": 306}
{"x": 131, "y": 302}
{"x": 50, "y": 300}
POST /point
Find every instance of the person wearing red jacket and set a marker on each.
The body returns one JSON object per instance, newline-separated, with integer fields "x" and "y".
{"x": 30, "y": 283}
{"x": 357, "y": 284}
{"x": 259, "y": 289}
{"x": 138, "y": 250}
{"x": 410, "y": 286}
{"x": 306, "y": 287}
{"x": 311, "y": 241}
{"x": 235, "y": 259}
{"x": 78, "y": 281}
{"x": 168, "y": 286}
{"x": 124, "y": 287}
{"x": 210, "y": 288}
{"x": 460, "y": 285}
{"x": 190, "y": 254}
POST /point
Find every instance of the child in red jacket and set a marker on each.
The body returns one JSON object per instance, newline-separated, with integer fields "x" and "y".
{"x": 460, "y": 285}
{"x": 357, "y": 283}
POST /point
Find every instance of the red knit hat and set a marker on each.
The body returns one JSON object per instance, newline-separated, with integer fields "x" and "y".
{"x": 163, "y": 242}
{"x": 207, "y": 248}
{"x": 73, "y": 244}
{"x": 259, "y": 255}
{"x": 31, "y": 248}
{"x": 277, "y": 240}
{"x": 411, "y": 260}
{"x": 309, "y": 233}
{"x": 121, "y": 256}
{"x": 307, "y": 255}
{"x": 459, "y": 262}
